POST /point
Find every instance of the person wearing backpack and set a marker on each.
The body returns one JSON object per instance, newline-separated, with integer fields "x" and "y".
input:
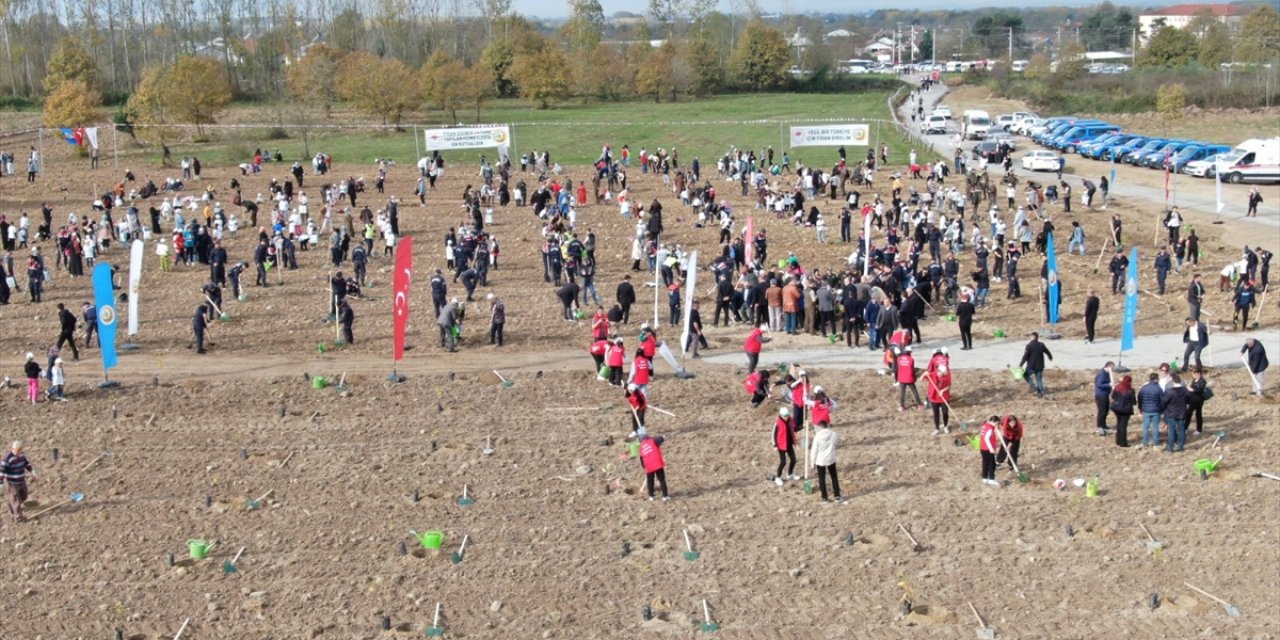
{"x": 1123, "y": 401}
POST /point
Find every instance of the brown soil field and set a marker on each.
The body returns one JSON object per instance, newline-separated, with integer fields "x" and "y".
{"x": 561, "y": 542}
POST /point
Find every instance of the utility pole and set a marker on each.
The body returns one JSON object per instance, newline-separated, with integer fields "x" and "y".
{"x": 933, "y": 48}
{"x": 1010, "y": 46}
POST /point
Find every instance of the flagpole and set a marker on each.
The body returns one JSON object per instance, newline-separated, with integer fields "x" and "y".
{"x": 115, "y": 149}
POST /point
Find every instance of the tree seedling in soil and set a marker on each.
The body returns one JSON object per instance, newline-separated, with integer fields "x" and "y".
{"x": 169, "y": 559}
{"x": 435, "y": 630}
{"x": 229, "y": 566}
{"x": 1153, "y": 545}
{"x": 646, "y": 613}
{"x": 465, "y": 500}
{"x": 72, "y": 499}
{"x": 462, "y": 550}
{"x": 404, "y": 550}
{"x": 386, "y": 623}
{"x": 708, "y": 626}
{"x": 1227, "y": 606}
{"x": 416, "y": 496}
{"x": 689, "y": 553}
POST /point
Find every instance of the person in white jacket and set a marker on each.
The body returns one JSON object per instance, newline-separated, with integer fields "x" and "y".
{"x": 822, "y": 455}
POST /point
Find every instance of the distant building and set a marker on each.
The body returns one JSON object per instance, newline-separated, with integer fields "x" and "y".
{"x": 1180, "y": 15}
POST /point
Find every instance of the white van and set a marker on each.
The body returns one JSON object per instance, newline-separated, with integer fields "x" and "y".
{"x": 1019, "y": 65}
{"x": 976, "y": 124}
{"x": 1254, "y": 160}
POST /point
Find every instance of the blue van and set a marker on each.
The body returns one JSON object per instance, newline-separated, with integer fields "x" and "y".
{"x": 1070, "y": 141}
{"x": 1136, "y": 153}
{"x": 1121, "y": 150}
{"x": 1155, "y": 159}
{"x": 1192, "y": 153}
{"x": 1089, "y": 148}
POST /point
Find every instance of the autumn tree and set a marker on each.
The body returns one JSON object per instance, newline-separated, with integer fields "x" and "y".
{"x": 542, "y": 77}
{"x": 148, "y": 107}
{"x": 71, "y": 62}
{"x": 704, "y": 62}
{"x": 653, "y": 79}
{"x": 1169, "y": 47}
{"x": 313, "y": 77}
{"x": 385, "y": 89}
{"x": 1259, "y": 37}
{"x": 476, "y": 88}
{"x": 761, "y": 58}
{"x": 193, "y": 90}
{"x": 444, "y": 83}
{"x": 1214, "y": 39}
{"x": 72, "y": 104}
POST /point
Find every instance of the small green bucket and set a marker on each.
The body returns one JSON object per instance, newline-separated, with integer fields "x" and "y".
{"x": 1018, "y": 373}
{"x": 199, "y": 549}
{"x": 999, "y": 333}
{"x": 633, "y": 448}
{"x": 976, "y": 443}
{"x": 1091, "y": 488}
{"x": 319, "y": 382}
{"x": 430, "y": 539}
{"x": 1206, "y": 466}
{"x": 951, "y": 317}
{"x": 321, "y": 347}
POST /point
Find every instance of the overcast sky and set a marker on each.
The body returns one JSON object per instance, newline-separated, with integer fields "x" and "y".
{"x": 555, "y": 8}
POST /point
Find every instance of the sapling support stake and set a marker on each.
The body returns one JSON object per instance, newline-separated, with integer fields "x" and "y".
{"x": 915, "y": 545}
{"x": 689, "y": 553}
{"x": 229, "y": 566}
{"x": 182, "y": 628}
{"x": 708, "y": 626}
{"x": 462, "y": 550}
{"x": 435, "y": 630}
{"x": 465, "y": 500}
{"x": 1230, "y": 609}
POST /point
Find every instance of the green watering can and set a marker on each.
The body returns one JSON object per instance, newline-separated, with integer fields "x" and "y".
{"x": 199, "y": 549}
{"x": 428, "y": 539}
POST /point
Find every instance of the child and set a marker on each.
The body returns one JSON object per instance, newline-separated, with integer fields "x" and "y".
{"x": 162, "y": 250}
{"x": 784, "y": 440}
{"x": 673, "y": 300}
{"x": 654, "y": 465}
{"x": 33, "y": 377}
{"x": 823, "y": 454}
{"x": 57, "y": 380}
{"x": 988, "y": 444}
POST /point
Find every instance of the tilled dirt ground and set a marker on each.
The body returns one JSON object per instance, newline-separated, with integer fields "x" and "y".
{"x": 559, "y": 498}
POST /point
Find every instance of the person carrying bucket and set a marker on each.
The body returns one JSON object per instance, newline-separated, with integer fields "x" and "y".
{"x": 639, "y": 401}
{"x": 938, "y": 375}
{"x": 655, "y": 468}
{"x": 784, "y": 440}
{"x": 598, "y": 349}
{"x": 757, "y": 384}
{"x": 1011, "y": 430}
{"x": 988, "y": 445}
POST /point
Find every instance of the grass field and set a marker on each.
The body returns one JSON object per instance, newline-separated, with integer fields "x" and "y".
{"x": 573, "y": 134}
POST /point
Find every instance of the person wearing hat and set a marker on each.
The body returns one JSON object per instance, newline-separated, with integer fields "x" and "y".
{"x": 906, "y": 378}
{"x": 784, "y": 440}
{"x": 57, "y": 380}
{"x": 615, "y": 357}
{"x": 32, "y": 369}
{"x": 639, "y": 401}
{"x": 822, "y": 456}
{"x": 938, "y": 375}
{"x": 16, "y": 470}
{"x": 655, "y": 467}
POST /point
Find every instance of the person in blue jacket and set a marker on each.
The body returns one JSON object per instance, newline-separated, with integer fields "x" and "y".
{"x": 1102, "y": 395}
{"x": 1151, "y": 404}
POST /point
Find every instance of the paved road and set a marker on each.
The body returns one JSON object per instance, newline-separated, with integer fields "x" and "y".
{"x": 944, "y": 145}
{"x": 1073, "y": 354}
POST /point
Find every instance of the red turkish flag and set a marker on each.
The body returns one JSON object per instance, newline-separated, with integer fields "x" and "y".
{"x": 400, "y": 305}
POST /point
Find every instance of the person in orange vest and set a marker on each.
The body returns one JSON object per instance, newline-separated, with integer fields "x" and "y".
{"x": 639, "y": 401}
{"x": 600, "y": 324}
{"x": 988, "y": 444}
{"x": 655, "y": 468}
{"x": 615, "y": 357}
{"x": 898, "y": 342}
{"x": 641, "y": 371}
{"x": 906, "y": 378}
{"x": 820, "y": 406}
{"x": 753, "y": 345}
{"x": 784, "y": 440}
{"x": 757, "y": 384}
{"x": 938, "y": 375}
{"x": 1011, "y": 430}
{"x": 582, "y": 194}
{"x": 598, "y": 349}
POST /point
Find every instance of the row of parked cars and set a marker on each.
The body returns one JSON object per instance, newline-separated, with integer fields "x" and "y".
{"x": 1254, "y": 160}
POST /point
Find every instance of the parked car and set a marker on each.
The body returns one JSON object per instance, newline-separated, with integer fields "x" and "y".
{"x": 1004, "y": 121}
{"x": 1193, "y": 152}
{"x": 935, "y": 123}
{"x": 987, "y": 151}
{"x": 1087, "y": 148}
{"x": 942, "y": 110}
{"x": 1025, "y": 125}
{"x": 1080, "y": 134}
{"x": 1041, "y": 160}
{"x": 1254, "y": 160}
{"x": 1136, "y": 153}
{"x": 1206, "y": 168}
{"x": 1119, "y": 152}
{"x": 1164, "y": 153}
{"x": 1104, "y": 150}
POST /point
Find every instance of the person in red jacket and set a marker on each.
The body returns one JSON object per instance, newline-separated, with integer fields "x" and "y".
{"x": 639, "y": 401}
{"x": 600, "y": 324}
{"x": 938, "y": 377}
{"x": 799, "y": 397}
{"x": 641, "y": 370}
{"x": 654, "y": 466}
{"x": 906, "y": 378}
{"x": 1011, "y": 430}
{"x": 784, "y": 440}
{"x": 615, "y": 359}
{"x": 648, "y": 342}
{"x": 988, "y": 444}
{"x": 757, "y": 384}
{"x": 820, "y": 406}
{"x": 755, "y": 342}
{"x": 598, "y": 349}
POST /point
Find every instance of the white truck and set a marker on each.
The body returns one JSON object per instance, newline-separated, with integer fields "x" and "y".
{"x": 1254, "y": 160}
{"x": 976, "y": 124}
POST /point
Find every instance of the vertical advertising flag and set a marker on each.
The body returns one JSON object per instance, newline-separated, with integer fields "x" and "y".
{"x": 749, "y": 247}
{"x": 1113, "y": 171}
{"x": 689, "y": 291}
{"x": 1217, "y": 177}
{"x": 1053, "y": 280}
{"x": 104, "y": 300}
{"x": 400, "y": 304}
{"x": 135, "y": 278}
{"x": 1128, "y": 330}
{"x": 866, "y": 244}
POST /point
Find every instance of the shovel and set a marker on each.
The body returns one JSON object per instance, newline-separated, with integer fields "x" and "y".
{"x": 435, "y": 630}
{"x": 1230, "y": 609}
{"x": 707, "y": 625}
{"x": 1268, "y": 476}
{"x": 689, "y": 553}
{"x": 251, "y": 505}
{"x": 462, "y": 550}
{"x": 1217, "y": 438}
{"x": 74, "y": 498}
{"x": 984, "y": 632}
{"x": 465, "y": 500}
{"x": 915, "y": 546}
{"x": 1153, "y": 545}
{"x": 506, "y": 384}
{"x": 1022, "y": 477}
{"x": 488, "y": 446}
{"x": 229, "y": 566}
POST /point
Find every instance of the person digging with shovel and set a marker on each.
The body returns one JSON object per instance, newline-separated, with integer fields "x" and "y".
{"x": 1011, "y": 428}
{"x": 639, "y": 402}
{"x": 938, "y": 377}
{"x": 757, "y": 384}
{"x": 16, "y": 470}
{"x": 655, "y": 468}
